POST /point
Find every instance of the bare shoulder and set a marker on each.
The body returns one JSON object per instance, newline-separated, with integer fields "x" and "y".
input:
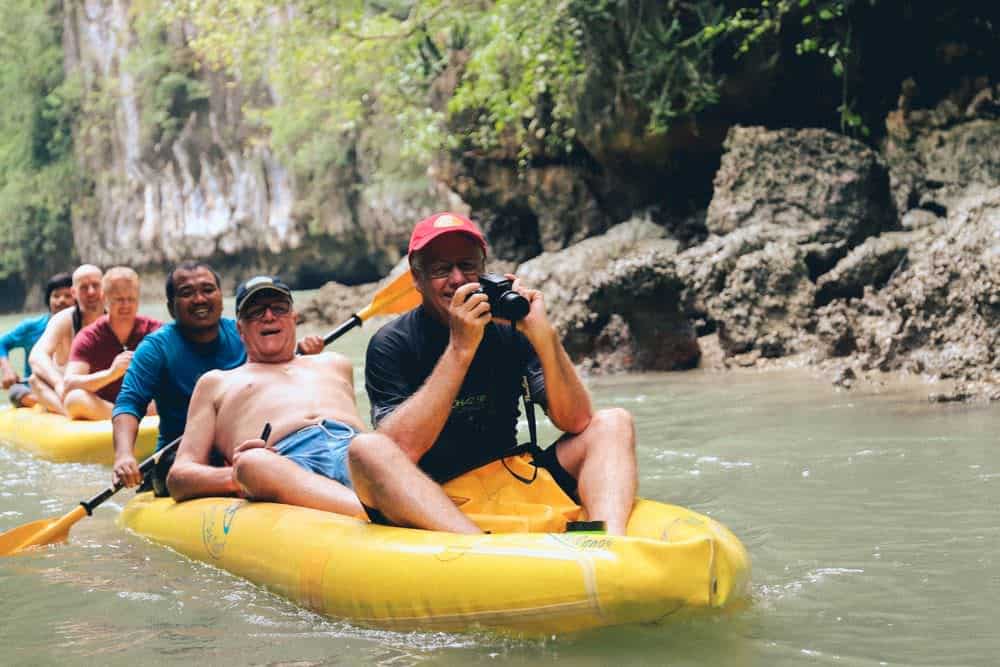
{"x": 61, "y": 322}
{"x": 211, "y": 380}
{"x": 339, "y": 359}
{"x": 340, "y": 362}
{"x": 328, "y": 361}
{"x": 58, "y": 329}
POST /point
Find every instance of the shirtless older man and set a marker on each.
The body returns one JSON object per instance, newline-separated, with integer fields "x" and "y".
{"x": 49, "y": 355}
{"x": 308, "y": 401}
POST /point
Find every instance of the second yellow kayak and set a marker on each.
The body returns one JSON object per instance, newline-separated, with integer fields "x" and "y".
{"x": 56, "y": 438}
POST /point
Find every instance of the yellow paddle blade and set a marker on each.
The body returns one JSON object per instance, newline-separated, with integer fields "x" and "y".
{"x": 39, "y": 533}
{"x": 398, "y": 296}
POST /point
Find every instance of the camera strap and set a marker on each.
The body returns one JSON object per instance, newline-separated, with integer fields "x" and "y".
{"x": 532, "y": 446}
{"x": 529, "y": 414}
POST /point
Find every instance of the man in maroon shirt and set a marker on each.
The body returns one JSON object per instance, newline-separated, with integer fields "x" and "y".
{"x": 102, "y": 351}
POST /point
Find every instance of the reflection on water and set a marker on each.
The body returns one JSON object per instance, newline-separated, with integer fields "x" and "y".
{"x": 871, "y": 520}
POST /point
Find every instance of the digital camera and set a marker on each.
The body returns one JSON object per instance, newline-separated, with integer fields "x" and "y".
{"x": 505, "y": 303}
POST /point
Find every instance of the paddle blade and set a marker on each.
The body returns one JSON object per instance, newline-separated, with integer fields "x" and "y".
{"x": 39, "y": 533}
{"x": 398, "y": 296}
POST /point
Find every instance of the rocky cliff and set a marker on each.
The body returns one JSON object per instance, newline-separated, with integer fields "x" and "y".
{"x": 819, "y": 250}
{"x": 180, "y": 172}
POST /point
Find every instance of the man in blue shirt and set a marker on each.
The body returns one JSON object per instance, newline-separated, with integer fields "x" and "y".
{"x": 167, "y": 364}
{"x": 58, "y": 296}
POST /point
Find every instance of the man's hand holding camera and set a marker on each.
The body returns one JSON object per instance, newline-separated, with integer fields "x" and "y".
{"x": 535, "y": 325}
{"x": 469, "y": 315}
{"x": 504, "y": 299}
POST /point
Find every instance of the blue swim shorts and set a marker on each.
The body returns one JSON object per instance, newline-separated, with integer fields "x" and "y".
{"x": 320, "y": 448}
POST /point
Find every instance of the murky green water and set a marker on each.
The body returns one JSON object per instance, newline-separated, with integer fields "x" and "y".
{"x": 872, "y": 521}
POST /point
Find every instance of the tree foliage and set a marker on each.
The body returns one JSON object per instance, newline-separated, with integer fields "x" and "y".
{"x": 38, "y": 176}
{"x": 328, "y": 83}
{"x": 335, "y": 67}
{"x": 522, "y": 65}
{"x": 166, "y": 74}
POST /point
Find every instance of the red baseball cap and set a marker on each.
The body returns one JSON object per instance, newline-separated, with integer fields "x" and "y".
{"x": 430, "y": 228}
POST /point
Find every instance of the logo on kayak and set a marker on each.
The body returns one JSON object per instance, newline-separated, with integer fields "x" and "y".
{"x": 584, "y": 542}
{"x": 216, "y": 523}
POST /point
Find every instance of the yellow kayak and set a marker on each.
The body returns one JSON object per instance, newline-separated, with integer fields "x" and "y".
{"x": 674, "y": 562}
{"x": 56, "y": 438}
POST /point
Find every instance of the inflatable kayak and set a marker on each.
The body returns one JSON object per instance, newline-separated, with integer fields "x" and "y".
{"x": 528, "y": 575}
{"x": 57, "y": 438}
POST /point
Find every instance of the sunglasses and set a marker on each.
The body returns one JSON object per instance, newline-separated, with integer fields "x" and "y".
{"x": 256, "y": 312}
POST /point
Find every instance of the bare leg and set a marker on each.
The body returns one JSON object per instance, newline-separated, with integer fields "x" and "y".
{"x": 602, "y": 459}
{"x": 385, "y": 478}
{"x": 82, "y": 404}
{"x": 268, "y": 476}
{"x": 46, "y": 395}
{"x": 29, "y": 401}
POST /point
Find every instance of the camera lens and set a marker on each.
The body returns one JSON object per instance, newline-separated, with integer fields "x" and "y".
{"x": 513, "y": 306}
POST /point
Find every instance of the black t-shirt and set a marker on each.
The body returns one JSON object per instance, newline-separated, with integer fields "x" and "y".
{"x": 483, "y": 421}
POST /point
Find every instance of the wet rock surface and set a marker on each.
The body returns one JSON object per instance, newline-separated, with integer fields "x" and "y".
{"x": 871, "y": 263}
{"x": 816, "y": 250}
{"x": 940, "y": 315}
{"x": 616, "y": 300}
{"x": 335, "y": 303}
{"x": 824, "y": 186}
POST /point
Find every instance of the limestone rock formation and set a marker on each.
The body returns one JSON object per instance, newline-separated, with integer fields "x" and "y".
{"x": 871, "y": 263}
{"x": 788, "y": 205}
{"x": 828, "y": 187}
{"x": 214, "y": 190}
{"x": 615, "y": 299}
{"x": 943, "y": 310}
{"x": 934, "y": 154}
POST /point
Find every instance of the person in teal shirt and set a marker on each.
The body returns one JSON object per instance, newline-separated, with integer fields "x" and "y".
{"x": 58, "y": 296}
{"x": 167, "y": 363}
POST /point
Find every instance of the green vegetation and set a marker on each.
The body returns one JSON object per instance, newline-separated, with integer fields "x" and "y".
{"x": 346, "y": 89}
{"x": 166, "y": 75}
{"x": 39, "y": 181}
{"x": 824, "y": 29}
{"x": 519, "y": 69}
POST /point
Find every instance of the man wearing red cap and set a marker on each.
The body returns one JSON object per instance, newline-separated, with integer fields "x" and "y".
{"x": 444, "y": 382}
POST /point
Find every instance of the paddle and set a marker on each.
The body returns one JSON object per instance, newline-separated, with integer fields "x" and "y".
{"x": 50, "y": 531}
{"x": 398, "y": 296}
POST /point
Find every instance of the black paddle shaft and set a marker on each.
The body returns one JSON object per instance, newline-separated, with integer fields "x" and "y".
{"x": 355, "y": 321}
{"x": 144, "y": 468}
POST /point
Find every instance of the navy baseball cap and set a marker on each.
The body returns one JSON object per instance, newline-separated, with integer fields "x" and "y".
{"x": 259, "y": 284}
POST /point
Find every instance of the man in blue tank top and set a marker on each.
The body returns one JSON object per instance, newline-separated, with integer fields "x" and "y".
{"x": 444, "y": 381}
{"x": 58, "y": 296}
